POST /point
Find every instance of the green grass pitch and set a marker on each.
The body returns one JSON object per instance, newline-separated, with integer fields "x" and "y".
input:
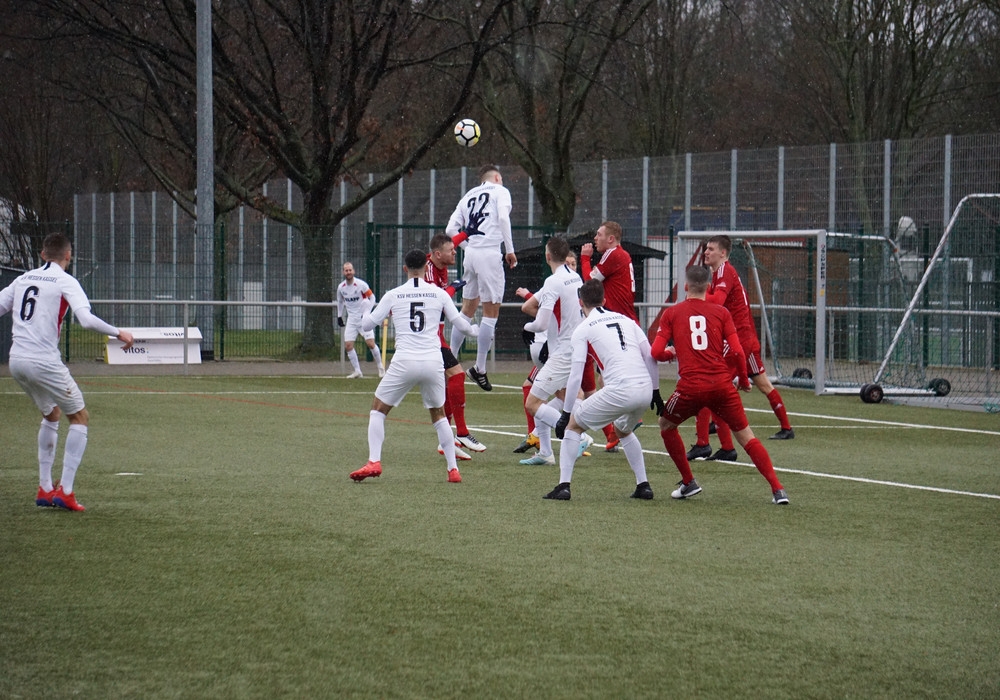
{"x": 225, "y": 553}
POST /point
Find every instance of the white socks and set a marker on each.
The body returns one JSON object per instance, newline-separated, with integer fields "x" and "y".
{"x": 487, "y": 329}
{"x": 457, "y": 336}
{"x": 352, "y": 355}
{"x": 76, "y": 445}
{"x": 568, "y": 451}
{"x": 48, "y": 437}
{"x": 376, "y": 435}
{"x": 447, "y": 442}
{"x": 633, "y": 453}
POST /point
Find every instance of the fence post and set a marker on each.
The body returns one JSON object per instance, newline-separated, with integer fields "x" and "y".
{"x": 671, "y": 238}
{"x": 996, "y": 298}
{"x": 925, "y": 246}
{"x": 221, "y": 286}
{"x": 373, "y": 266}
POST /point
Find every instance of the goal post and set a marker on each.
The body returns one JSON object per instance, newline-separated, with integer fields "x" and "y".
{"x": 809, "y": 291}
{"x": 911, "y": 318}
{"x": 954, "y": 312}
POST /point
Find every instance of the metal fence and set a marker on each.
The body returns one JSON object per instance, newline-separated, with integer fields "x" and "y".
{"x": 142, "y": 245}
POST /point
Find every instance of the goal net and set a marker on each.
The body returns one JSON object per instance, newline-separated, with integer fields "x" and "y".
{"x": 829, "y": 308}
{"x": 949, "y": 330}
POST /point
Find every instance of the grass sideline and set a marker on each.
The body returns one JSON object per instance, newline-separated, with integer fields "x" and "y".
{"x": 236, "y": 559}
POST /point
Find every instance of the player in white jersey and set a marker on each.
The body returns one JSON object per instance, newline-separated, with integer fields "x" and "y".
{"x": 416, "y": 308}
{"x": 558, "y": 307}
{"x": 484, "y": 214}
{"x": 355, "y": 296}
{"x": 40, "y": 299}
{"x": 630, "y": 374}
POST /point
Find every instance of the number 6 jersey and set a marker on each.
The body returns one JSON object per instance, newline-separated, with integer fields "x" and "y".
{"x": 39, "y": 300}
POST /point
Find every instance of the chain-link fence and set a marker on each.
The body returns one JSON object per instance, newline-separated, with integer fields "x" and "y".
{"x": 141, "y": 246}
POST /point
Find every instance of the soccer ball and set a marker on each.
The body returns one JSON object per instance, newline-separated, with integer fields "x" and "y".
{"x": 467, "y": 133}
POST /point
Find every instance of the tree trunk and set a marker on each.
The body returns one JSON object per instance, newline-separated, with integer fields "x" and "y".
{"x": 317, "y": 334}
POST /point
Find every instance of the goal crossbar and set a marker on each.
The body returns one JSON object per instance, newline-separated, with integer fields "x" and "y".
{"x": 820, "y": 236}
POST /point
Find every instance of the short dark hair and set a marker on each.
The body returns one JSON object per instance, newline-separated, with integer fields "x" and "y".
{"x": 415, "y": 260}
{"x": 723, "y": 241}
{"x": 439, "y": 241}
{"x": 592, "y": 293}
{"x": 486, "y": 170}
{"x": 55, "y": 245}
{"x": 697, "y": 278}
{"x": 558, "y": 248}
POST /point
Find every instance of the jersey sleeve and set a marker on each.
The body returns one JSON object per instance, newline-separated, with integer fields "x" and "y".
{"x": 381, "y": 310}
{"x": 6, "y": 299}
{"x": 504, "y": 207}
{"x": 73, "y": 294}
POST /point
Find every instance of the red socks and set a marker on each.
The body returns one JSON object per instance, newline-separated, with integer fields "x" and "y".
{"x": 724, "y": 433}
{"x": 675, "y": 448}
{"x": 455, "y": 399}
{"x": 778, "y": 406}
{"x": 701, "y": 422}
{"x": 531, "y": 419}
{"x": 762, "y": 460}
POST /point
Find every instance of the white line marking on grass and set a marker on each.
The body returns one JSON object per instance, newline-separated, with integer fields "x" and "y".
{"x": 871, "y": 421}
{"x": 786, "y": 470}
{"x": 129, "y": 474}
{"x": 884, "y": 483}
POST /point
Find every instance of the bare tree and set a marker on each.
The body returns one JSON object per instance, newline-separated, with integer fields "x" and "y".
{"x": 656, "y": 77}
{"x": 536, "y": 86}
{"x": 866, "y": 70}
{"x": 302, "y": 88}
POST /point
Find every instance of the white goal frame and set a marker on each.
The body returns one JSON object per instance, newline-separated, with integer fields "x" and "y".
{"x": 819, "y": 371}
{"x": 918, "y": 292}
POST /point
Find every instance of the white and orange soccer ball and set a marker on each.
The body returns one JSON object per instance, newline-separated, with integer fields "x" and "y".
{"x": 467, "y": 133}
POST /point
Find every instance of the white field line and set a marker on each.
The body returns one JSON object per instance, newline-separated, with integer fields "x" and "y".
{"x": 868, "y": 423}
{"x": 803, "y": 472}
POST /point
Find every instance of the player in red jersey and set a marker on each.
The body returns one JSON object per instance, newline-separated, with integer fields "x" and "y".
{"x": 441, "y": 257}
{"x": 727, "y": 289}
{"x": 700, "y": 331}
{"x": 615, "y": 270}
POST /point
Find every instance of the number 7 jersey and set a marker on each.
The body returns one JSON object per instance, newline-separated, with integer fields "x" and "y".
{"x": 618, "y": 345}
{"x": 417, "y": 309}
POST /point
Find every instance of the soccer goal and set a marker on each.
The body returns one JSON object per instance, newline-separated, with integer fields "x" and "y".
{"x": 826, "y": 304}
{"x": 950, "y": 327}
{"x": 850, "y": 313}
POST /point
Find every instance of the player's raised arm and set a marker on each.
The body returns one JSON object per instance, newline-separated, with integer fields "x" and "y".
{"x": 374, "y": 316}
{"x": 459, "y": 321}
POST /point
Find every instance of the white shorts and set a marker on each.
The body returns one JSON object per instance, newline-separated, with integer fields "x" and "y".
{"x": 48, "y": 384}
{"x": 404, "y": 374}
{"x": 623, "y": 406}
{"x": 483, "y": 271}
{"x": 352, "y": 329}
{"x": 552, "y": 376}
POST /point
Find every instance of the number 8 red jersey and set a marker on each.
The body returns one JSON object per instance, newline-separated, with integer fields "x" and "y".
{"x": 698, "y": 330}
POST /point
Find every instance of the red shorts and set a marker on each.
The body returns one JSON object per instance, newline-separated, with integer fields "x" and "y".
{"x": 755, "y": 364}
{"x": 723, "y": 399}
